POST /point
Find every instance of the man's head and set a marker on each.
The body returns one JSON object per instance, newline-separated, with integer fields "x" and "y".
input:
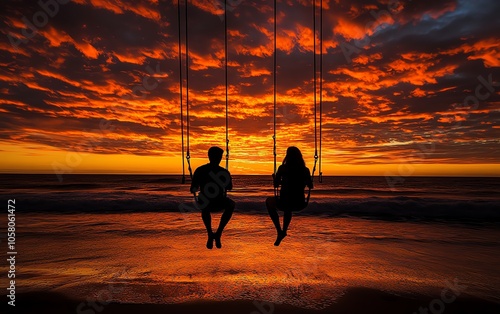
{"x": 215, "y": 155}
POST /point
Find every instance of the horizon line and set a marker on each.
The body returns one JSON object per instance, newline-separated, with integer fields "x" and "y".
{"x": 259, "y": 175}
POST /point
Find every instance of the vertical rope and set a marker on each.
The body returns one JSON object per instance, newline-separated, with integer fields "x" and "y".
{"x": 315, "y": 91}
{"x": 320, "y": 85}
{"x": 274, "y": 86}
{"x": 225, "y": 61}
{"x": 180, "y": 89}
{"x": 188, "y": 155}
{"x": 314, "y": 100}
{"x": 274, "y": 95}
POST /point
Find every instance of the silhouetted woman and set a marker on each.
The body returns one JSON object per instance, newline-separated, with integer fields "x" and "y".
{"x": 293, "y": 176}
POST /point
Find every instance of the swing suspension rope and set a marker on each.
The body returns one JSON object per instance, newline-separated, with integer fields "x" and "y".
{"x": 188, "y": 153}
{"x": 225, "y": 81}
{"x": 320, "y": 85}
{"x": 180, "y": 90}
{"x": 274, "y": 95}
{"x": 315, "y": 91}
{"x": 315, "y": 103}
{"x": 317, "y": 157}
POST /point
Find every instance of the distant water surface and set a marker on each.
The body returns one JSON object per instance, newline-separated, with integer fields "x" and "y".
{"x": 453, "y": 198}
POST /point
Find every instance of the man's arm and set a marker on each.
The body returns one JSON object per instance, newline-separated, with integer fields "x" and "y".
{"x": 229, "y": 186}
{"x": 195, "y": 185}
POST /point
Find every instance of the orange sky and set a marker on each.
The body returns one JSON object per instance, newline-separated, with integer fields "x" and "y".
{"x": 410, "y": 87}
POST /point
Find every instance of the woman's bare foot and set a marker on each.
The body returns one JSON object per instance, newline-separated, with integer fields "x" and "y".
{"x": 280, "y": 237}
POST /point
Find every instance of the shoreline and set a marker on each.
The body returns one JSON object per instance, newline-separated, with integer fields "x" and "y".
{"x": 354, "y": 300}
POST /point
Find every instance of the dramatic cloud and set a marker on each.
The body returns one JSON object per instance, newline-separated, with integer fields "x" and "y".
{"x": 397, "y": 76}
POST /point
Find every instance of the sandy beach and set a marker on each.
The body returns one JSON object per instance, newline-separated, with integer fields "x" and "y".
{"x": 157, "y": 262}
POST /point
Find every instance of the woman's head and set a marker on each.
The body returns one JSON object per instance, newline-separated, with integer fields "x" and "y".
{"x": 294, "y": 157}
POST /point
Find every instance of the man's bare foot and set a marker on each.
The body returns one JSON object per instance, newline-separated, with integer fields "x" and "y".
{"x": 210, "y": 241}
{"x": 218, "y": 244}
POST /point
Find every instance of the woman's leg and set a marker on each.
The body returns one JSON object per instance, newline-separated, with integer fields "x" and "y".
{"x": 286, "y": 222}
{"x": 287, "y": 218}
{"x": 273, "y": 212}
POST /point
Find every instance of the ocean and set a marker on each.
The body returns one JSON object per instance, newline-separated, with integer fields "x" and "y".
{"x": 412, "y": 198}
{"x": 132, "y": 237}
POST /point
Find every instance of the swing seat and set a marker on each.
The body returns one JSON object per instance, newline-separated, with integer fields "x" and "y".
{"x": 217, "y": 206}
{"x": 290, "y": 206}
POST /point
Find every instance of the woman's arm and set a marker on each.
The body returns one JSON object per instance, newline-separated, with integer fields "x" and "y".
{"x": 309, "y": 182}
{"x": 277, "y": 177}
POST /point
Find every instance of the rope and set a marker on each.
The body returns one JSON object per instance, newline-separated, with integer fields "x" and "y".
{"x": 315, "y": 90}
{"x": 274, "y": 91}
{"x": 314, "y": 101}
{"x": 314, "y": 84}
{"x": 188, "y": 155}
{"x": 225, "y": 59}
{"x": 320, "y": 85}
{"x": 180, "y": 90}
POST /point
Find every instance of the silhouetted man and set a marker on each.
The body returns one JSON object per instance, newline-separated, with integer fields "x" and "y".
{"x": 213, "y": 182}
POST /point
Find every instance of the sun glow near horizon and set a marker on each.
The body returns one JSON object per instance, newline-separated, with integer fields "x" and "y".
{"x": 69, "y": 162}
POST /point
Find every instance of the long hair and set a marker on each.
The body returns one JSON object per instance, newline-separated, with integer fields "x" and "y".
{"x": 294, "y": 158}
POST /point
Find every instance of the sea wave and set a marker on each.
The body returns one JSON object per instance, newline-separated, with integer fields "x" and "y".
{"x": 385, "y": 208}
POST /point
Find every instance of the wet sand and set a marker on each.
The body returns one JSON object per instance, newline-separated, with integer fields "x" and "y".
{"x": 158, "y": 263}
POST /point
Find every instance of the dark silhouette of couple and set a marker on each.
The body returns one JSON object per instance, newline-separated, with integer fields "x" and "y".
{"x": 213, "y": 182}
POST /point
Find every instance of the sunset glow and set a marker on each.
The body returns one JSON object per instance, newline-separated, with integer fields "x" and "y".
{"x": 410, "y": 87}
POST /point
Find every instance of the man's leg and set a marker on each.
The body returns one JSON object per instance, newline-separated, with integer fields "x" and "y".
{"x": 207, "y": 220}
{"x": 224, "y": 219}
{"x": 273, "y": 212}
